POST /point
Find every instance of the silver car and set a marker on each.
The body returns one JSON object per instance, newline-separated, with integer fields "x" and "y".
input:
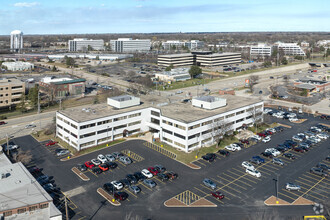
{"x": 110, "y": 157}
{"x": 134, "y": 189}
{"x": 278, "y": 161}
{"x": 125, "y": 160}
{"x": 149, "y": 183}
{"x": 209, "y": 183}
{"x": 292, "y": 186}
{"x": 62, "y": 152}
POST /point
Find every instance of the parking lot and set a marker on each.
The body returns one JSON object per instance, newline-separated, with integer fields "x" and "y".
{"x": 244, "y": 193}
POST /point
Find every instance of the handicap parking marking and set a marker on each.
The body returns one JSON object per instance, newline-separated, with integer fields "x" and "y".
{"x": 237, "y": 180}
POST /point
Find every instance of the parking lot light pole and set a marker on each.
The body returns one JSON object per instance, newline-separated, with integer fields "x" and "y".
{"x": 276, "y": 187}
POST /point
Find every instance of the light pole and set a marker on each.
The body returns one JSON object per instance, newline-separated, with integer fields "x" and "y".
{"x": 276, "y": 187}
{"x": 107, "y": 132}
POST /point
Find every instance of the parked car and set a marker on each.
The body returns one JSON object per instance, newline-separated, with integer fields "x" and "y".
{"x": 318, "y": 171}
{"x": 96, "y": 170}
{"x": 139, "y": 176}
{"x": 104, "y": 167}
{"x": 217, "y": 195}
{"x": 126, "y": 183}
{"x": 89, "y": 164}
{"x": 162, "y": 176}
{"x": 118, "y": 185}
{"x": 102, "y": 158}
{"x": 34, "y": 170}
{"x": 111, "y": 165}
{"x": 50, "y": 143}
{"x": 273, "y": 151}
{"x": 255, "y": 161}
{"x": 117, "y": 155}
{"x": 326, "y": 117}
{"x": 125, "y": 160}
{"x": 160, "y": 168}
{"x": 150, "y": 183}
{"x": 62, "y": 152}
{"x": 253, "y": 172}
{"x": 266, "y": 139}
{"x": 131, "y": 178}
{"x": 261, "y": 134}
{"x": 297, "y": 138}
{"x": 267, "y": 154}
{"x": 209, "y": 183}
{"x": 110, "y": 157}
{"x": 259, "y": 159}
{"x": 278, "y": 161}
{"x": 292, "y": 186}
{"x": 209, "y": 157}
{"x": 109, "y": 187}
{"x": 96, "y": 162}
{"x": 30, "y": 126}
{"x": 299, "y": 149}
{"x": 224, "y": 152}
{"x": 147, "y": 173}
{"x": 82, "y": 167}
{"x": 246, "y": 165}
{"x": 289, "y": 155}
{"x": 323, "y": 167}
{"x": 2, "y": 123}
{"x": 121, "y": 196}
{"x": 171, "y": 175}
{"x": 134, "y": 189}
{"x": 153, "y": 170}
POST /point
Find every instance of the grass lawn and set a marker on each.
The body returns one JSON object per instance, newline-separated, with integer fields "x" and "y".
{"x": 190, "y": 157}
{"x": 184, "y": 84}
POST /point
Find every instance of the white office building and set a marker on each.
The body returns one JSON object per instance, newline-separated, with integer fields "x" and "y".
{"x": 185, "y": 126}
{"x": 290, "y": 49}
{"x": 128, "y": 45}
{"x": 84, "y": 44}
{"x": 191, "y": 45}
{"x": 18, "y": 66}
{"x": 178, "y": 74}
{"x": 16, "y": 41}
{"x": 261, "y": 50}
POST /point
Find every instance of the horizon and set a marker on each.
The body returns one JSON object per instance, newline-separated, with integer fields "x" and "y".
{"x": 35, "y": 17}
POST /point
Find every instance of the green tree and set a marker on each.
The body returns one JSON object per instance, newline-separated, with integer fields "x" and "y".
{"x": 69, "y": 61}
{"x": 97, "y": 57}
{"x": 22, "y": 106}
{"x": 90, "y": 48}
{"x": 54, "y": 69}
{"x": 284, "y": 61}
{"x": 96, "y": 100}
{"x": 267, "y": 64}
{"x": 194, "y": 71}
{"x": 169, "y": 68}
{"x": 33, "y": 96}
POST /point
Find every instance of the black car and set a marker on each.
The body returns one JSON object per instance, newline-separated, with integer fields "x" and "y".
{"x": 125, "y": 182}
{"x": 82, "y": 167}
{"x": 224, "y": 152}
{"x": 162, "y": 176}
{"x": 160, "y": 168}
{"x": 267, "y": 154}
{"x": 291, "y": 143}
{"x": 289, "y": 155}
{"x": 304, "y": 148}
{"x": 111, "y": 165}
{"x": 255, "y": 161}
{"x": 35, "y": 170}
{"x": 121, "y": 196}
{"x": 209, "y": 157}
{"x": 109, "y": 187}
{"x": 239, "y": 144}
{"x": 323, "y": 167}
{"x": 131, "y": 178}
{"x": 279, "y": 128}
{"x": 310, "y": 143}
{"x": 96, "y": 170}
{"x": 318, "y": 171}
{"x": 139, "y": 176}
{"x": 281, "y": 148}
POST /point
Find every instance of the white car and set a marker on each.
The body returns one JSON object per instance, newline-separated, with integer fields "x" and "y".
{"x": 230, "y": 147}
{"x": 322, "y": 136}
{"x": 236, "y": 146}
{"x": 266, "y": 139}
{"x": 273, "y": 151}
{"x": 30, "y": 126}
{"x": 266, "y": 110}
{"x": 316, "y": 128}
{"x": 256, "y": 137}
{"x": 253, "y": 172}
{"x": 96, "y": 162}
{"x": 246, "y": 165}
{"x": 102, "y": 158}
{"x": 293, "y": 119}
{"x": 147, "y": 173}
{"x": 292, "y": 115}
{"x": 117, "y": 185}
{"x": 271, "y": 129}
{"x": 317, "y": 139}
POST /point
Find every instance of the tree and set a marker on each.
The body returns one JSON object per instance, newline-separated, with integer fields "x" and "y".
{"x": 256, "y": 116}
{"x": 267, "y": 64}
{"x": 253, "y": 79}
{"x": 54, "y": 69}
{"x": 284, "y": 61}
{"x": 33, "y": 96}
{"x": 97, "y": 57}
{"x": 169, "y": 68}
{"x": 219, "y": 127}
{"x": 24, "y": 157}
{"x": 69, "y": 61}
{"x": 194, "y": 71}
{"x": 130, "y": 74}
{"x": 90, "y": 48}
{"x": 96, "y": 100}
{"x": 22, "y": 106}
{"x": 145, "y": 81}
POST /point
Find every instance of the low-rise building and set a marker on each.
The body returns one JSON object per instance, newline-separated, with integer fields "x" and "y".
{"x": 11, "y": 91}
{"x": 84, "y": 44}
{"x": 260, "y": 50}
{"x": 128, "y": 45}
{"x": 178, "y": 74}
{"x": 312, "y": 84}
{"x": 60, "y": 87}
{"x": 191, "y": 45}
{"x": 290, "y": 49}
{"x": 183, "y": 59}
{"x": 18, "y": 66}
{"x": 90, "y": 56}
{"x": 21, "y": 196}
{"x": 185, "y": 126}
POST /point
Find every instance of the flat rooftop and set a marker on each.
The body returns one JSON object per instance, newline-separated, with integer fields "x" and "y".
{"x": 122, "y": 98}
{"x": 170, "y": 107}
{"x": 175, "y": 55}
{"x": 7, "y": 81}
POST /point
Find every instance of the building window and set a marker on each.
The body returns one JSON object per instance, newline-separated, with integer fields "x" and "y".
{"x": 179, "y": 136}
{"x": 74, "y": 135}
{"x": 155, "y": 121}
{"x": 206, "y": 123}
{"x": 194, "y": 126}
{"x": 119, "y": 127}
{"x": 193, "y": 136}
{"x": 104, "y": 122}
{"x": 154, "y": 113}
{"x": 59, "y": 126}
{"x": 87, "y": 144}
{"x": 178, "y": 144}
{"x": 16, "y": 87}
{"x": 87, "y": 135}
{"x": 74, "y": 143}
{"x": 59, "y": 118}
{"x": 168, "y": 140}
{"x": 103, "y": 139}
{"x": 20, "y": 211}
{"x": 249, "y": 117}
{"x": 167, "y": 131}
{"x": 87, "y": 126}
{"x": 167, "y": 122}
{"x": 117, "y": 136}
{"x": 120, "y": 118}
{"x": 180, "y": 126}
{"x": 135, "y": 130}
{"x": 43, "y": 206}
{"x": 240, "y": 112}
{"x": 59, "y": 134}
{"x": 104, "y": 130}
{"x": 74, "y": 126}
{"x": 8, "y": 213}
{"x": 134, "y": 115}
{"x": 193, "y": 145}
{"x": 231, "y": 115}
{"x": 66, "y": 130}
{"x": 242, "y": 119}
{"x": 134, "y": 123}
{"x": 219, "y": 119}
{"x": 207, "y": 131}
{"x": 32, "y": 208}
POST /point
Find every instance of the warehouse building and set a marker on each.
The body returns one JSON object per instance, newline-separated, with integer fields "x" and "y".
{"x": 185, "y": 126}
{"x": 18, "y": 66}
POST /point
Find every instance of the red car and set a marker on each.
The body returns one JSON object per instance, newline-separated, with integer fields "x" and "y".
{"x": 2, "y": 123}
{"x": 298, "y": 149}
{"x": 269, "y": 132}
{"x": 153, "y": 170}
{"x": 261, "y": 134}
{"x": 244, "y": 141}
{"x": 89, "y": 165}
{"x": 217, "y": 195}
{"x": 50, "y": 143}
{"x": 103, "y": 167}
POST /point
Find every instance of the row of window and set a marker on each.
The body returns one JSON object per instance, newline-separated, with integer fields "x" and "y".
{"x": 23, "y": 210}
{"x": 173, "y": 124}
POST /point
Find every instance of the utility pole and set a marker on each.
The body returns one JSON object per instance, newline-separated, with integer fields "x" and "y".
{"x": 39, "y": 109}
{"x": 7, "y": 144}
{"x": 66, "y": 209}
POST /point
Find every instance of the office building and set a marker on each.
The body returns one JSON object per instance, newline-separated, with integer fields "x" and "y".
{"x": 21, "y": 196}
{"x": 128, "y": 45}
{"x": 18, "y": 66}
{"x": 260, "y": 50}
{"x": 60, "y": 87}
{"x": 290, "y": 49}
{"x": 11, "y": 91}
{"x": 185, "y": 126}
{"x": 199, "y": 58}
{"x": 16, "y": 41}
{"x": 191, "y": 45}
{"x": 83, "y": 44}
{"x": 91, "y": 56}
{"x": 178, "y": 74}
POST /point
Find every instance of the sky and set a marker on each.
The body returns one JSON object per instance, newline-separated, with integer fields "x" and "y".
{"x": 159, "y": 16}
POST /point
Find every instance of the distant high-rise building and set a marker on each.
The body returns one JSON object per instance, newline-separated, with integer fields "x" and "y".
{"x": 16, "y": 41}
{"x": 83, "y": 44}
{"x": 123, "y": 45}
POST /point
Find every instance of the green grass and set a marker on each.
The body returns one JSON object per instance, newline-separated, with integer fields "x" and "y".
{"x": 185, "y": 84}
{"x": 190, "y": 157}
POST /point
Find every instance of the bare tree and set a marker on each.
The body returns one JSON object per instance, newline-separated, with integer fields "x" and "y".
{"x": 218, "y": 129}
{"x": 256, "y": 116}
{"x": 253, "y": 81}
{"x": 130, "y": 74}
{"x": 23, "y": 156}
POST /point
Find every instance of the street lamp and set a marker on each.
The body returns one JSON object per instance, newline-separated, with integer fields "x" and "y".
{"x": 276, "y": 187}
{"x": 107, "y": 132}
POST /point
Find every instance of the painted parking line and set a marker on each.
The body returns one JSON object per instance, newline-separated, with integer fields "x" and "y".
{"x": 318, "y": 194}
{"x": 187, "y": 197}
{"x": 227, "y": 192}
{"x": 237, "y": 180}
{"x": 232, "y": 183}
{"x": 133, "y": 155}
{"x": 147, "y": 187}
{"x": 287, "y": 196}
{"x": 240, "y": 171}
{"x": 154, "y": 178}
{"x": 314, "y": 186}
{"x": 316, "y": 176}
{"x": 130, "y": 193}
{"x": 93, "y": 173}
{"x": 311, "y": 177}
{"x": 201, "y": 191}
{"x": 199, "y": 162}
{"x": 264, "y": 168}
{"x": 310, "y": 182}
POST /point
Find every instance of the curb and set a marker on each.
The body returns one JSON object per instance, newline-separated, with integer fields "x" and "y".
{"x": 80, "y": 174}
{"x": 108, "y": 197}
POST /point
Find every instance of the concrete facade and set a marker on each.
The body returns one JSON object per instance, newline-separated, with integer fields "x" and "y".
{"x": 18, "y": 66}
{"x": 124, "y": 45}
{"x": 60, "y": 87}
{"x": 11, "y": 91}
{"x": 16, "y": 41}
{"x": 82, "y": 44}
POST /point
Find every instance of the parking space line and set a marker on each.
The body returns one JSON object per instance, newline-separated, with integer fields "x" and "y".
{"x": 146, "y": 187}
{"x": 240, "y": 171}
{"x": 316, "y": 176}
{"x": 314, "y": 186}
{"x": 92, "y": 173}
{"x": 271, "y": 165}
{"x": 310, "y": 186}
{"x": 287, "y": 196}
{"x": 232, "y": 183}
{"x": 318, "y": 194}
{"x": 201, "y": 191}
{"x": 311, "y": 177}
{"x": 130, "y": 193}
{"x": 266, "y": 170}
{"x": 158, "y": 180}
{"x": 228, "y": 192}
{"x": 243, "y": 175}
{"x": 199, "y": 162}
{"x": 237, "y": 180}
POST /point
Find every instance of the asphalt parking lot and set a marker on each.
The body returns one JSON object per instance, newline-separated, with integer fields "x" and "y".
{"x": 244, "y": 194}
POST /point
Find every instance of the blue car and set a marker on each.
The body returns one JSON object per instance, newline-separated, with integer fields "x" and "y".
{"x": 260, "y": 159}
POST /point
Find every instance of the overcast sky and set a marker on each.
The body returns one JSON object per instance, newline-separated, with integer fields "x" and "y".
{"x": 148, "y": 16}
